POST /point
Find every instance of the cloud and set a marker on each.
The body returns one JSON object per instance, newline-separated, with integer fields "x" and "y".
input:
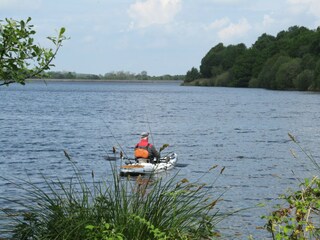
{"x": 267, "y": 20}
{"x": 225, "y": 1}
{"x": 19, "y": 4}
{"x": 234, "y": 30}
{"x": 305, "y": 6}
{"x": 218, "y": 24}
{"x": 149, "y": 12}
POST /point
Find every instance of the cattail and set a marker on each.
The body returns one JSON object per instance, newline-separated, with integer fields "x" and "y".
{"x": 184, "y": 180}
{"x": 292, "y": 137}
{"x": 67, "y": 155}
{"x": 293, "y": 153}
{"x": 213, "y": 167}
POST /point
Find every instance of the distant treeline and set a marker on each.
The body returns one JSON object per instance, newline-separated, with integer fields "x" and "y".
{"x": 291, "y": 60}
{"x": 120, "y": 75}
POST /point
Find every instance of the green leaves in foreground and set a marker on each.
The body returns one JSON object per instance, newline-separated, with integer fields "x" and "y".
{"x": 298, "y": 217}
{"x": 20, "y": 57}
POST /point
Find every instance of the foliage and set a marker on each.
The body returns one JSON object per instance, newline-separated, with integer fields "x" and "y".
{"x": 125, "y": 208}
{"x": 192, "y": 75}
{"x": 122, "y": 75}
{"x": 304, "y": 80}
{"x": 286, "y": 74}
{"x": 20, "y": 57}
{"x": 119, "y": 75}
{"x": 298, "y": 217}
{"x": 211, "y": 59}
{"x": 242, "y": 69}
{"x": 103, "y": 232}
{"x": 220, "y": 58}
{"x": 272, "y": 62}
{"x": 316, "y": 81}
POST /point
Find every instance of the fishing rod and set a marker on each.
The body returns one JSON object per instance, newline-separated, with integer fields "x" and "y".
{"x": 164, "y": 146}
{"x": 113, "y": 149}
{"x": 149, "y": 127}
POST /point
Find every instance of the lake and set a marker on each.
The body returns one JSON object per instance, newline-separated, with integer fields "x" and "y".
{"x": 243, "y": 130}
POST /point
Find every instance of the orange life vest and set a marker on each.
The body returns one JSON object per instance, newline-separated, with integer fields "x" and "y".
{"x": 142, "y": 149}
{"x": 141, "y": 153}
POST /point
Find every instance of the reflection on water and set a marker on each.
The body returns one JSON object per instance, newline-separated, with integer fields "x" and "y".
{"x": 243, "y": 130}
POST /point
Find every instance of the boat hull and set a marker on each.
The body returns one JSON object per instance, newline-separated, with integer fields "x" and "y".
{"x": 165, "y": 164}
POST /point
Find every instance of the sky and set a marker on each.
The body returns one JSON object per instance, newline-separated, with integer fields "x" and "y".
{"x": 157, "y": 36}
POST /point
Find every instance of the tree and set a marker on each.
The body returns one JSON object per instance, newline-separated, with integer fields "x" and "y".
{"x": 286, "y": 74}
{"x": 20, "y": 57}
{"x": 263, "y": 49}
{"x": 308, "y": 62}
{"x": 242, "y": 69}
{"x": 230, "y": 55}
{"x": 315, "y": 43}
{"x": 192, "y": 74}
{"x": 304, "y": 80}
{"x": 212, "y": 58}
{"x": 220, "y": 59}
{"x": 267, "y": 76}
{"x": 316, "y": 81}
{"x": 288, "y": 61}
{"x": 143, "y": 75}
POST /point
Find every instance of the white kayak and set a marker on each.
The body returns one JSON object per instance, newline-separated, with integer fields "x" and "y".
{"x": 166, "y": 163}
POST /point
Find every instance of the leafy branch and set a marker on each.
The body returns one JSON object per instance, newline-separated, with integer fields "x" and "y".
{"x": 20, "y": 57}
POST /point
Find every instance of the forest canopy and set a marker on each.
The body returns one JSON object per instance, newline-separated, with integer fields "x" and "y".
{"x": 288, "y": 61}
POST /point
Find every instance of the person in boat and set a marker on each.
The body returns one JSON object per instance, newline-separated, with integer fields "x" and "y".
{"x": 145, "y": 151}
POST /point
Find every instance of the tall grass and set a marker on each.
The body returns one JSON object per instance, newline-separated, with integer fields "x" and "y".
{"x": 146, "y": 208}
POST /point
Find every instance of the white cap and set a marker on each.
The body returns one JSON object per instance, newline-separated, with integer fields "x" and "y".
{"x": 144, "y": 134}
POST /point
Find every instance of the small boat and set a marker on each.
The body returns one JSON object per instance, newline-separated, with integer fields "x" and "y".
{"x": 141, "y": 168}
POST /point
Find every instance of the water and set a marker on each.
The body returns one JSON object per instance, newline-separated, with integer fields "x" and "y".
{"x": 243, "y": 130}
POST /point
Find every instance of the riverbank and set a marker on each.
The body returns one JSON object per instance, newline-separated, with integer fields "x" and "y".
{"x": 105, "y": 80}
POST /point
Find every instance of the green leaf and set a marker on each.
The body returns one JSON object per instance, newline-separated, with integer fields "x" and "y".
{"x": 20, "y": 51}
{"x": 90, "y": 227}
{"x": 62, "y": 31}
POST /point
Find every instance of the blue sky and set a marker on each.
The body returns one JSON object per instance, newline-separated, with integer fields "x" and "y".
{"x": 157, "y": 36}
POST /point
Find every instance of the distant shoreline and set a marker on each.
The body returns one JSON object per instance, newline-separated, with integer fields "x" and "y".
{"x": 105, "y": 80}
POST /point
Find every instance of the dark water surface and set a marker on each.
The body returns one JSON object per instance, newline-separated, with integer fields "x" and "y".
{"x": 243, "y": 130}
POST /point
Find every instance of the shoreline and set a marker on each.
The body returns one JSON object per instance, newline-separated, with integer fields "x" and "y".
{"x": 105, "y": 80}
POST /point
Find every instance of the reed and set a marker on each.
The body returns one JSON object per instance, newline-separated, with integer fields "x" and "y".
{"x": 124, "y": 208}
